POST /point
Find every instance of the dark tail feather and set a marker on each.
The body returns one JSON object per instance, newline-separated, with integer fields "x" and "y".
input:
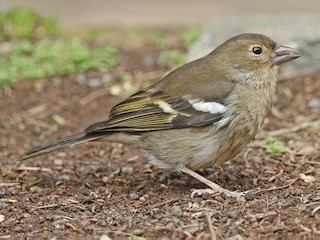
{"x": 66, "y": 142}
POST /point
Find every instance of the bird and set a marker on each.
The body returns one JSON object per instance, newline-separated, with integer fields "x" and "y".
{"x": 199, "y": 115}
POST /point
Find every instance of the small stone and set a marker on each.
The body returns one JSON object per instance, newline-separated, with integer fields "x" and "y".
{"x": 58, "y": 162}
{"x": 2, "y": 218}
{"x": 149, "y": 60}
{"x": 105, "y": 237}
{"x": 3, "y": 205}
{"x": 36, "y": 189}
{"x": 156, "y": 210}
{"x": 142, "y": 199}
{"x": 242, "y": 199}
{"x": 314, "y": 103}
{"x": 193, "y": 229}
{"x": 94, "y": 82}
{"x": 176, "y": 211}
{"x": 57, "y": 226}
{"x": 2, "y": 193}
{"x": 137, "y": 232}
{"x": 195, "y": 205}
{"x": 127, "y": 170}
{"x": 134, "y": 196}
{"x": 64, "y": 178}
{"x": 81, "y": 79}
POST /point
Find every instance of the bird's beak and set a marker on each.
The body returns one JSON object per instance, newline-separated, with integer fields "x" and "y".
{"x": 284, "y": 54}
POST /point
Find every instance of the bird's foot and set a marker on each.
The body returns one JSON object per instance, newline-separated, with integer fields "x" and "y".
{"x": 214, "y": 187}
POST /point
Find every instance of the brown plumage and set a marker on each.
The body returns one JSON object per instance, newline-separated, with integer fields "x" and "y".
{"x": 201, "y": 114}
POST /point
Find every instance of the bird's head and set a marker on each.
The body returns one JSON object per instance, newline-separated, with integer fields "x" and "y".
{"x": 246, "y": 55}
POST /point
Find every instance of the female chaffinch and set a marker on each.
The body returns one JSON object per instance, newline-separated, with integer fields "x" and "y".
{"x": 199, "y": 115}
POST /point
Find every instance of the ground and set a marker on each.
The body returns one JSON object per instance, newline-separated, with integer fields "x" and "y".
{"x": 109, "y": 189}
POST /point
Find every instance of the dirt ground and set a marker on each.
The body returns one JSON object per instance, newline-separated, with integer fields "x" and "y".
{"x": 109, "y": 189}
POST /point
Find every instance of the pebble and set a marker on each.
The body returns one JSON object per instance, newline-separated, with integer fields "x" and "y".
{"x": 105, "y": 237}
{"x": 58, "y": 162}
{"x": 63, "y": 178}
{"x": 94, "y": 82}
{"x": 156, "y": 210}
{"x": 137, "y": 232}
{"x": 195, "y": 205}
{"x": 177, "y": 211}
{"x": 3, "y": 205}
{"x": 314, "y": 103}
{"x": 2, "y": 193}
{"x": 149, "y": 61}
{"x": 242, "y": 199}
{"x": 127, "y": 170}
{"x": 142, "y": 199}
{"x": 36, "y": 189}
{"x": 81, "y": 79}
{"x": 134, "y": 196}
{"x": 192, "y": 229}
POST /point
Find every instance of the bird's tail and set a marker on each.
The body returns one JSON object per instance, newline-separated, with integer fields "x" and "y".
{"x": 66, "y": 142}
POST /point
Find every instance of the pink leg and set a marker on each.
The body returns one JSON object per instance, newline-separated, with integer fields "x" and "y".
{"x": 214, "y": 188}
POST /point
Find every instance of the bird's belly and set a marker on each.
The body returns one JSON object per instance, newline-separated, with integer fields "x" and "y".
{"x": 194, "y": 148}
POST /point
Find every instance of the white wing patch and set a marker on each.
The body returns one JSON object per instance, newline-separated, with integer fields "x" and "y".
{"x": 211, "y": 107}
{"x": 165, "y": 107}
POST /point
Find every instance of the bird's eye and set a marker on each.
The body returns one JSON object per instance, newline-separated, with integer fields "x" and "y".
{"x": 257, "y": 50}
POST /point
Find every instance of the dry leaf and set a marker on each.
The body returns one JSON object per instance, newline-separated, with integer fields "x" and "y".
{"x": 307, "y": 178}
{"x": 307, "y": 150}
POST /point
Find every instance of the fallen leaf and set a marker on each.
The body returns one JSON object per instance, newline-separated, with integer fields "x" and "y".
{"x": 307, "y": 178}
{"x": 307, "y": 150}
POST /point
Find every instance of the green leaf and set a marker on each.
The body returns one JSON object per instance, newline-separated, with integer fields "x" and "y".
{"x": 274, "y": 146}
{"x": 59, "y": 119}
{"x": 190, "y": 37}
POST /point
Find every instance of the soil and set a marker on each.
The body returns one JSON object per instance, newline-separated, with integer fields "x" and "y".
{"x": 108, "y": 189}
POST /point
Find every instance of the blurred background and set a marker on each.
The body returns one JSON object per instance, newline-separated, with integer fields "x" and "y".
{"x": 151, "y": 13}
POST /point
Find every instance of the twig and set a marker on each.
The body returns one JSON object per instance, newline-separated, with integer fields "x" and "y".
{"x": 211, "y": 229}
{"x": 315, "y": 210}
{"x": 311, "y": 162}
{"x": 276, "y": 188}
{"x": 8, "y": 200}
{"x": 163, "y": 203}
{"x": 278, "y": 175}
{"x": 47, "y": 206}
{"x": 124, "y": 234}
{"x": 8, "y": 184}
{"x": 296, "y": 128}
{"x": 23, "y": 168}
{"x": 92, "y": 96}
{"x": 5, "y": 236}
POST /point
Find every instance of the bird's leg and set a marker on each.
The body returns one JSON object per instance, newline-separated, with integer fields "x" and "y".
{"x": 214, "y": 188}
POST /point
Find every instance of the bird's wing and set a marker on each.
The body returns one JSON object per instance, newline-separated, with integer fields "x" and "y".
{"x": 152, "y": 109}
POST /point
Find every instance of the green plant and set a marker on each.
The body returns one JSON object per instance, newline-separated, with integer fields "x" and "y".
{"x": 48, "y": 58}
{"x": 274, "y": 146}
{"x": 26, "y": 23}
{"x": 172, "y": 58}
{"x": 160, "y": 41}
{"x": 189, "y": 37}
